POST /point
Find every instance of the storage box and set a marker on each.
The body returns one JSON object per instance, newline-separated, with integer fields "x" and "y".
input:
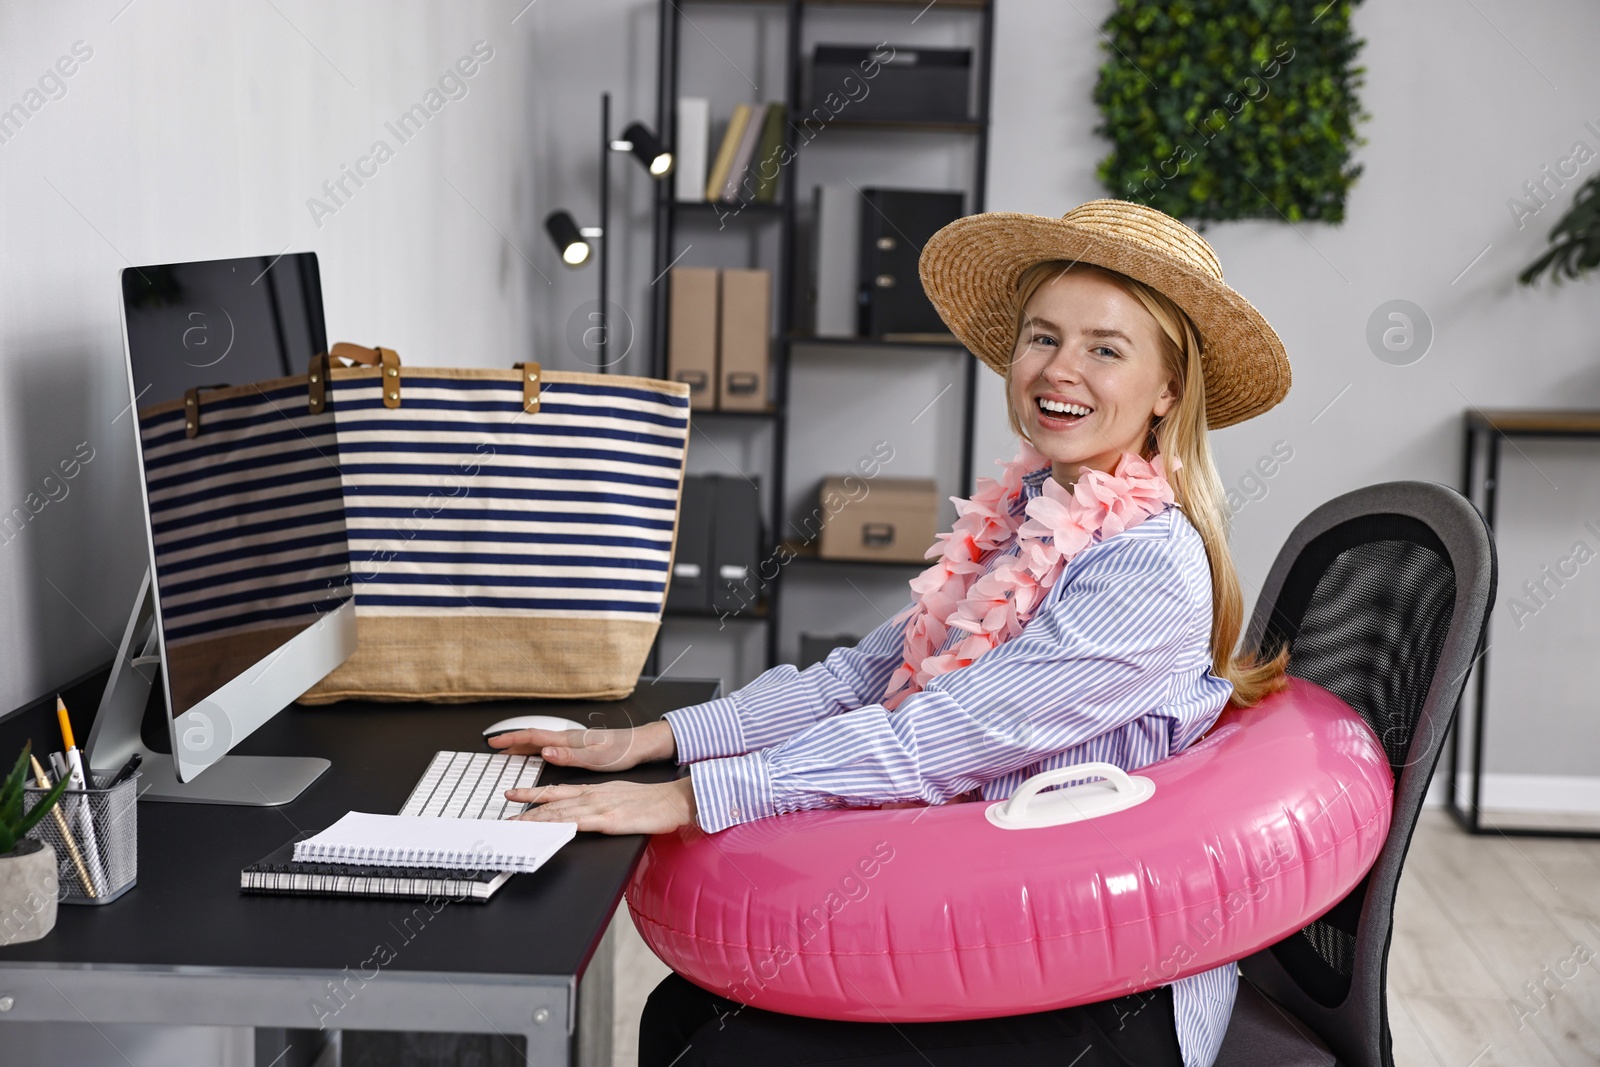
{"x": 894, "y": 226}
{"x": 692, "y": 334}
{"x": 736, "y": 546}
{"x": 715, "y": 562}
{"x": 746, "y": 340}
{"x": 911, "y": 84}
{"x": 689, "y": 591}
{"x": 890, "y": 519}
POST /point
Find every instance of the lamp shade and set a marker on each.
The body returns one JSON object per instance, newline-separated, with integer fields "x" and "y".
{"x": 569, "y": 240}
{"x": 648, "y": 149}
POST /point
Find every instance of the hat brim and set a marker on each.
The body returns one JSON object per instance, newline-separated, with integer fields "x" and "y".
{"x": 970, "y": 270}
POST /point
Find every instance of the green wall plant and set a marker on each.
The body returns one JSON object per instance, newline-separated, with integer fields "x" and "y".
{"x": 1231, "y": 109}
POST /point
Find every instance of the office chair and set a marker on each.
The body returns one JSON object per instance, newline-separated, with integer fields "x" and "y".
{"x": 1381, "y": 596}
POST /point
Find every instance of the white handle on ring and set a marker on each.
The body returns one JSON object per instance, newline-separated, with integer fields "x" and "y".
{"x": 1026, "y": 809}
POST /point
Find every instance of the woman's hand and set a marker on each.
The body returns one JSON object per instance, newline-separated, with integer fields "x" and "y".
{"x": 613, "y": 807}
{"x": 594, "y": 750}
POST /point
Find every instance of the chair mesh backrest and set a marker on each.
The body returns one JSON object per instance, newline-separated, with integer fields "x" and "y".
{"x": 1372, "y": 633}
{"x": 1365, "y": 611}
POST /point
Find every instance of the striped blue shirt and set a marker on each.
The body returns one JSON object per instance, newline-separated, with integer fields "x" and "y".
{"x": 1114, "y": 665}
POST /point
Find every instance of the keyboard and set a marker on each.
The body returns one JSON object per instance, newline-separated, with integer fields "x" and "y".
{"x": 472, "y": 785}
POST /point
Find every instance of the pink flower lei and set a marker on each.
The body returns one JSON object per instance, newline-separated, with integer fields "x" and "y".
{"x": 1057, "y": 525}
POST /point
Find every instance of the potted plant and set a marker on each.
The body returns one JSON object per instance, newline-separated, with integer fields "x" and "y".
{"x": 27, "y": 865}
{"x": 1574, "y": 241}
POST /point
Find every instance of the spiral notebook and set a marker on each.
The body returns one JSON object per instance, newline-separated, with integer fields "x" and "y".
{"x": 423, "y": 841}
{"x": 279, "y": 873}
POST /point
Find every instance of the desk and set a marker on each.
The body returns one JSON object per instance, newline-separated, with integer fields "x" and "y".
{"x": 185, "y": 947}
{"x": 1480, "y": 483}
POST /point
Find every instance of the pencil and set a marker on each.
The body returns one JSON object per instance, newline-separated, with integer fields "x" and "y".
{"x": 66, "y": 834}
{"x": 82, "y": 809}
{"x": 66, "y": 723}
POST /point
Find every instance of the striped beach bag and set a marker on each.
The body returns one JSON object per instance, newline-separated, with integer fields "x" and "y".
{"x": 510, "y": 532}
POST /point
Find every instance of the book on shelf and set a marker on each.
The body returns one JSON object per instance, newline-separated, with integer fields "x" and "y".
{"x": 726, "y": 151}
{"x": 743, "y": 154}
{"x": 691, "y": 155}
{"x": 747, "y": 168}
{"x": 836, "y": 260}
{"x": 768, "y": 170}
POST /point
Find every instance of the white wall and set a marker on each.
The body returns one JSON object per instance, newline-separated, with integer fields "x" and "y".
{"x": 199, "y": 131}
{"x": 1467, "y": 104}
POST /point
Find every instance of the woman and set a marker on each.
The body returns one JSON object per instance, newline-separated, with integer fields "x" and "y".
{"x": 1085, "y": 607}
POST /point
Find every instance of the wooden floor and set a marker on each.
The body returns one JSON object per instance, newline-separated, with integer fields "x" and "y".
{"x": 1495, "y": 961}
{"x": 1488, "y": 962}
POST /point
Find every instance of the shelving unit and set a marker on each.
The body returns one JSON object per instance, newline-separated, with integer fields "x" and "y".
{"x": 790, "y": 342}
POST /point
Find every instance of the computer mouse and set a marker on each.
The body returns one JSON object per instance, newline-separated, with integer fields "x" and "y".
{"x": 533, "y": 722}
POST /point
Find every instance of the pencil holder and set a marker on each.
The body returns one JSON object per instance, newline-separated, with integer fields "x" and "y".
{"x": 95, "y": 833}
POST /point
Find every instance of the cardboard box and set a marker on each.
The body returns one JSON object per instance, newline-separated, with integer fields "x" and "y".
{"x": 692, "y": 334}
{"x": 891, "y": 519}
{"x": 746, "y": 339}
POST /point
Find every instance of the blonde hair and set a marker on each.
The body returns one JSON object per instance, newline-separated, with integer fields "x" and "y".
{"x": 1181, "y": 433}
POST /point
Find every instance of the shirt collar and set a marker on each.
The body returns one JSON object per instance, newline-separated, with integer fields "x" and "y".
{"x": 1032, "y": 486}
{"x": 1033, "y": 482}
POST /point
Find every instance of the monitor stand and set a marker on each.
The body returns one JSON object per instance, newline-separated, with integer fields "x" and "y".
{"x": 252, "y": 781}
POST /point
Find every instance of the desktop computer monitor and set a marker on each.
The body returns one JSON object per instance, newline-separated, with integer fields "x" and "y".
{"x": 247, "y": 603}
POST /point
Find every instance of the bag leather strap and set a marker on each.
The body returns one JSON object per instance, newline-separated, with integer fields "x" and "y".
{"x": 191, "y": 408}
{"x": 317, "y": 383}
{"x": 532, "y": 379}
{"x": 385, "y": 358}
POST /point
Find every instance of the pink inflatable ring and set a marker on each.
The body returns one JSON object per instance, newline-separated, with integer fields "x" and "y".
{"x": 920, "y": 914}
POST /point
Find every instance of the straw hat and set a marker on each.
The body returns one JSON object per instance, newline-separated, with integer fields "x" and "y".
{"x": 970, "y": 270}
